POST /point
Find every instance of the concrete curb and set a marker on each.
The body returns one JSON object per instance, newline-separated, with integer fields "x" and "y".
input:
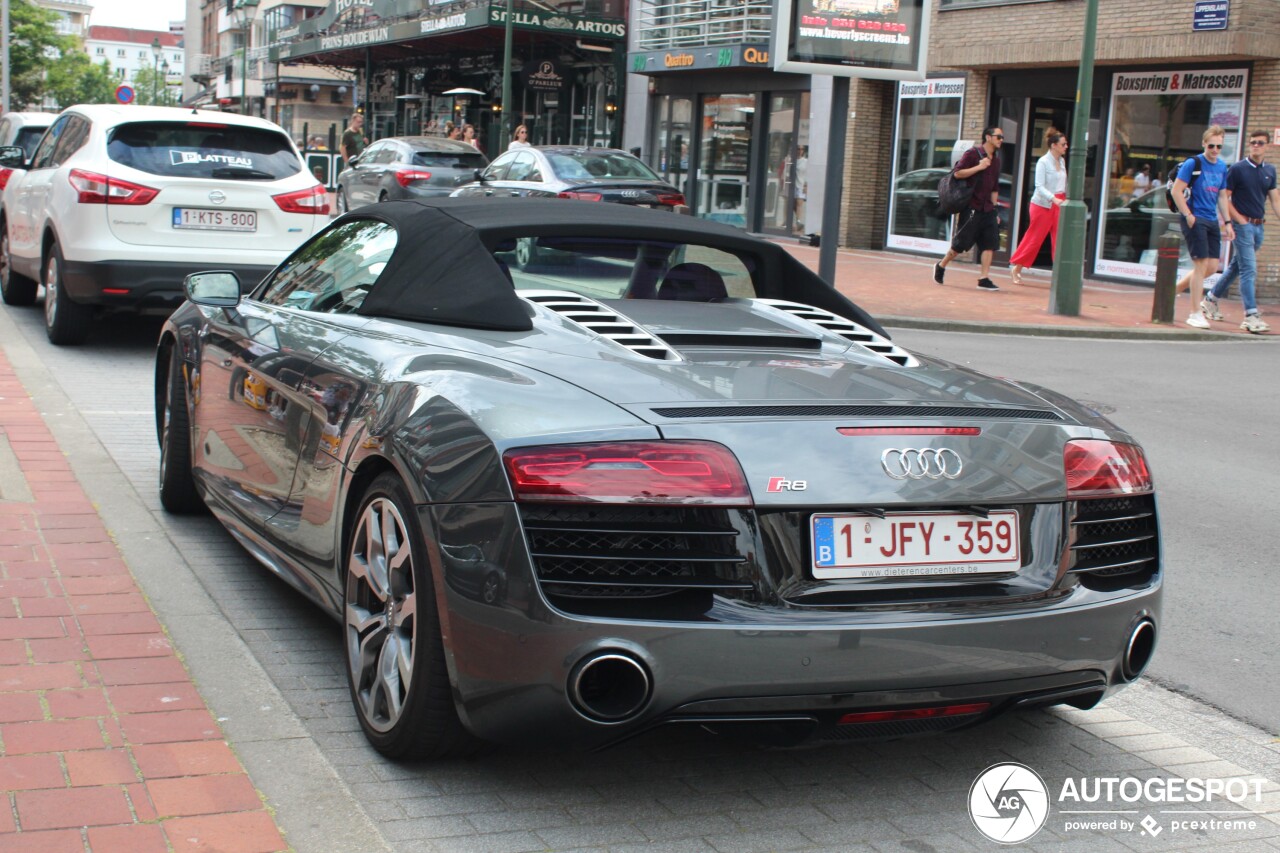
{"x": 311, "y": 805}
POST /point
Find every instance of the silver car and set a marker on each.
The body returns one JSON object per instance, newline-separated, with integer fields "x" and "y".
{"x": 401, "y": 167}
{"x": 681, "y": 480}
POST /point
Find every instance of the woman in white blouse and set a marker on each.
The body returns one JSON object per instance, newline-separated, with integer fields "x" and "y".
{"x": 1050, "y": 193}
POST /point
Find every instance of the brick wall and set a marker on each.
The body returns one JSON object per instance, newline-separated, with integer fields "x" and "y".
{"x": 868, "y": 161}
{"x": 1263, "y": 113}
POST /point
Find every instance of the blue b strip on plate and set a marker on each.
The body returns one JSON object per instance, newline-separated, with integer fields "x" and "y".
{"x": 824, "y": 541}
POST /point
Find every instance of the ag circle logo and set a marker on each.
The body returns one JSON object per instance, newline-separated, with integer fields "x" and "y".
{"x": 1008, "y": 803}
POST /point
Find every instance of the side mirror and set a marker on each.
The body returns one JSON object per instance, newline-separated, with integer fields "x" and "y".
{"x": 480, "y": 175}
{"x": 13, "y": 157}
{"x": 217, "y": 289}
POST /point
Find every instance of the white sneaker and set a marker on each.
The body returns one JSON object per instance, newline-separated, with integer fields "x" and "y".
{"x": 1197, "y": 321}
{"x": 1209, "y": 308}
{"x": 1255, "y": 324}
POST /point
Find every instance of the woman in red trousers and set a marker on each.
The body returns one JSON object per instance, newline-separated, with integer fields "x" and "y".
{"x": 1050, "y": 193}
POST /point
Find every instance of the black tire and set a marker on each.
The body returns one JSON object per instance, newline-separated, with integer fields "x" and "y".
{"x": 15, "y": 288}
{"x": 178, "y": 493}
{"x": 389, "y": 608}
{"x": 65, "y": 322}
{"x": 341, "y": 201}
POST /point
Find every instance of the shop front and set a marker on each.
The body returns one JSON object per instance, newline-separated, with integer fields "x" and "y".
{"x": 731, "y": 134}
{"x": 1157, "y": 119}
{"x": 422, "y": 64}
{"x": 926, "y": 133}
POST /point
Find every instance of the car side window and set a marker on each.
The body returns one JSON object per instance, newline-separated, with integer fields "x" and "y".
{"x": 72, "y": 140}
{"x": 334, "y": 271}
{"x": 43, "y": 158}
{"x": 371, "y": 153}
{"x": 497, "y": 170}
{"x": 386, "y": 155}
{"x": 524, "y": 168}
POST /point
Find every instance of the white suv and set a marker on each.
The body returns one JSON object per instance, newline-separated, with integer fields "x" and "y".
{"x": 119, "y": 203}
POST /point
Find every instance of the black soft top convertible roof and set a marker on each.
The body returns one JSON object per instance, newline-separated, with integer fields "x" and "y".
{"x": 443, "y": 269}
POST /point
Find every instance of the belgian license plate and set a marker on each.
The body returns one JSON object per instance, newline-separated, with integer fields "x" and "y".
{"x": 204, "y": 219}
{"x": 922, "y": 544}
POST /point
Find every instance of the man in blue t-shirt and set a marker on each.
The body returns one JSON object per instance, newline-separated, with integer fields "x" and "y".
{"x": 1251, "y": 183}
{"x": 1202, "y": 216}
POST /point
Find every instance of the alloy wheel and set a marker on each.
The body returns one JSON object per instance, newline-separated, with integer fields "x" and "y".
{"x": 381, "y": 614}
{"x": 50, "y": 290}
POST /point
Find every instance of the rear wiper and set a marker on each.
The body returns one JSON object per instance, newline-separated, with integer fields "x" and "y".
{"x": 241, "y": 172}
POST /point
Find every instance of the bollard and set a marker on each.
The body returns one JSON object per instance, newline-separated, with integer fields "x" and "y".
{"x": 1169, "y": 248}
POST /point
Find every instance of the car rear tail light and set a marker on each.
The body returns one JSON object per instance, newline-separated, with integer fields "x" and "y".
{"x": 913, "y": 713}
{"x": 5, "y": 174}
{"x": 311, "y": 200}
{"x": 671, "y": 199}
{"x": 94, "y": 188}
{"x": 639, "y": 472}
{"x": 1095, "y": 468}
{"x": 404, "y": 177}
{"x": 580, "y": 196}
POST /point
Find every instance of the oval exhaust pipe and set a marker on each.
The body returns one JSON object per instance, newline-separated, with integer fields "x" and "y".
{"x": 1137, "y": 654}
{"x": 610, "y": 687}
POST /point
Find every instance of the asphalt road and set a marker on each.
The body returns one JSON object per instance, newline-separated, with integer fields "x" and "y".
{"x": 1207, "y": 414}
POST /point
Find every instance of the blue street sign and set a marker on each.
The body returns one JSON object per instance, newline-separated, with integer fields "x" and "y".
{"x": 124, "y": 93}
{"x": 1211, "y": 15}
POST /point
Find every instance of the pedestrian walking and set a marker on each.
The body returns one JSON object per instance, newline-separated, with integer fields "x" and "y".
{"x": 979, "y": 225}
{"x": 1205, "y": 221}
{"x": 520, "y": 138}
{"x": 353, "y": 139}
{"x": 1049, "y": 194}
{"x": 1250, "y": 184}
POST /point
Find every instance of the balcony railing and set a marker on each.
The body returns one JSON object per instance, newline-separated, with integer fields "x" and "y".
{"x": 667, "y": 25}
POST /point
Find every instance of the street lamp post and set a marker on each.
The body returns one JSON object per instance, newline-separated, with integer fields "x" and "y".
{"x": 505, "y": 125}
{"x": 245, "y": 10}
{"x": 155, "y": 66}
{"x": 164, "y": 76}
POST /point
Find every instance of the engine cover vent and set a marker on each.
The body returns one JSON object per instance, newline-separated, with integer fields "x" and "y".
{"x": 603, "y": 321}
{"x": 861, "y": 336}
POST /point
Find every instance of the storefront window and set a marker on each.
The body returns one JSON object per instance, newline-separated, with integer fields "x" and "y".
{"x": 722, "y": 167}
{"x": 787, "y": 167}
{"x": 673, "y": 136}
{"x": 928, "y": 127}
{"x": 1157, "y": 121}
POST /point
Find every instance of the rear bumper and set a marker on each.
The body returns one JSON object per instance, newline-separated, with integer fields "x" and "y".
{"x": 148, "y": 287}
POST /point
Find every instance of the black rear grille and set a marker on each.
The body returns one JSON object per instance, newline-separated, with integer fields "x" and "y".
{"x": 619, "y": 557}
{"x": 856, "y": 411}
{"x": 1114, "y": 539}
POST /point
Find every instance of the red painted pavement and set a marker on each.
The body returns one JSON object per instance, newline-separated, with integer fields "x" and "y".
{"x": 105, "y": 743}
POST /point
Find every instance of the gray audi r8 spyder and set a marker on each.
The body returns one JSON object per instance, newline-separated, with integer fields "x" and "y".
{"x": 675, "y": 478}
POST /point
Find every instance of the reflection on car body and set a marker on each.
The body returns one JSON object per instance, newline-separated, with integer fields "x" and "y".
{"x": 648, "y": 486}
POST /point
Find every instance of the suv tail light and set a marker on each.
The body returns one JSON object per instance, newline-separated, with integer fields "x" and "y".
{"x": 1095, "y": 468}
{"x": 94, "y": 188}
{"x": 633, "y": 472}
{"x": 404, "y": 177}
{"x": 4, "y": 177}
{"x": 311, "y": 200}
{"x": 671, "y": 199}
{"x": 580, "y": 196}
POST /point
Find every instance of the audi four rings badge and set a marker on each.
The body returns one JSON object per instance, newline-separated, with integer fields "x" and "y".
{"x": 917, "y": 464}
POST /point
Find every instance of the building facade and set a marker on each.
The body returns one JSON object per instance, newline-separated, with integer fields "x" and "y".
{"x": 733, "y": 139}
{"x": 128, "y": 51}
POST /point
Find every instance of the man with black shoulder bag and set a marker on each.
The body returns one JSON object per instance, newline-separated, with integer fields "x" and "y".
{"x": 979, "y": 223}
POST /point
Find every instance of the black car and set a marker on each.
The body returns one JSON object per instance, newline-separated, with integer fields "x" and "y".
{"x": 1133, "y": 229}
{"x": 402, "y": 167}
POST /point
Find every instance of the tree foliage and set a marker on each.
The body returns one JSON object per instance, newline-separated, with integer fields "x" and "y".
{"x": 34, "y": 45}
{"x": 74, "y": 79}
{"x": 150, "y": 87}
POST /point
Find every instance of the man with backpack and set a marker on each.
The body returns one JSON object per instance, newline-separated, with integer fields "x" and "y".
{"x": 979, "y": 223}
{"x": 1205, "y": 218}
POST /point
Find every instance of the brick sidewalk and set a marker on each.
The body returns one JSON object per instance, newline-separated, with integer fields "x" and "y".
{"x": 105, "y": 744}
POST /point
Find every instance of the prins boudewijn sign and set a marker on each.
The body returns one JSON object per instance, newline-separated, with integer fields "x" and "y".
{"x": 877, "y": 39}
{"x": 700, "y": 59}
